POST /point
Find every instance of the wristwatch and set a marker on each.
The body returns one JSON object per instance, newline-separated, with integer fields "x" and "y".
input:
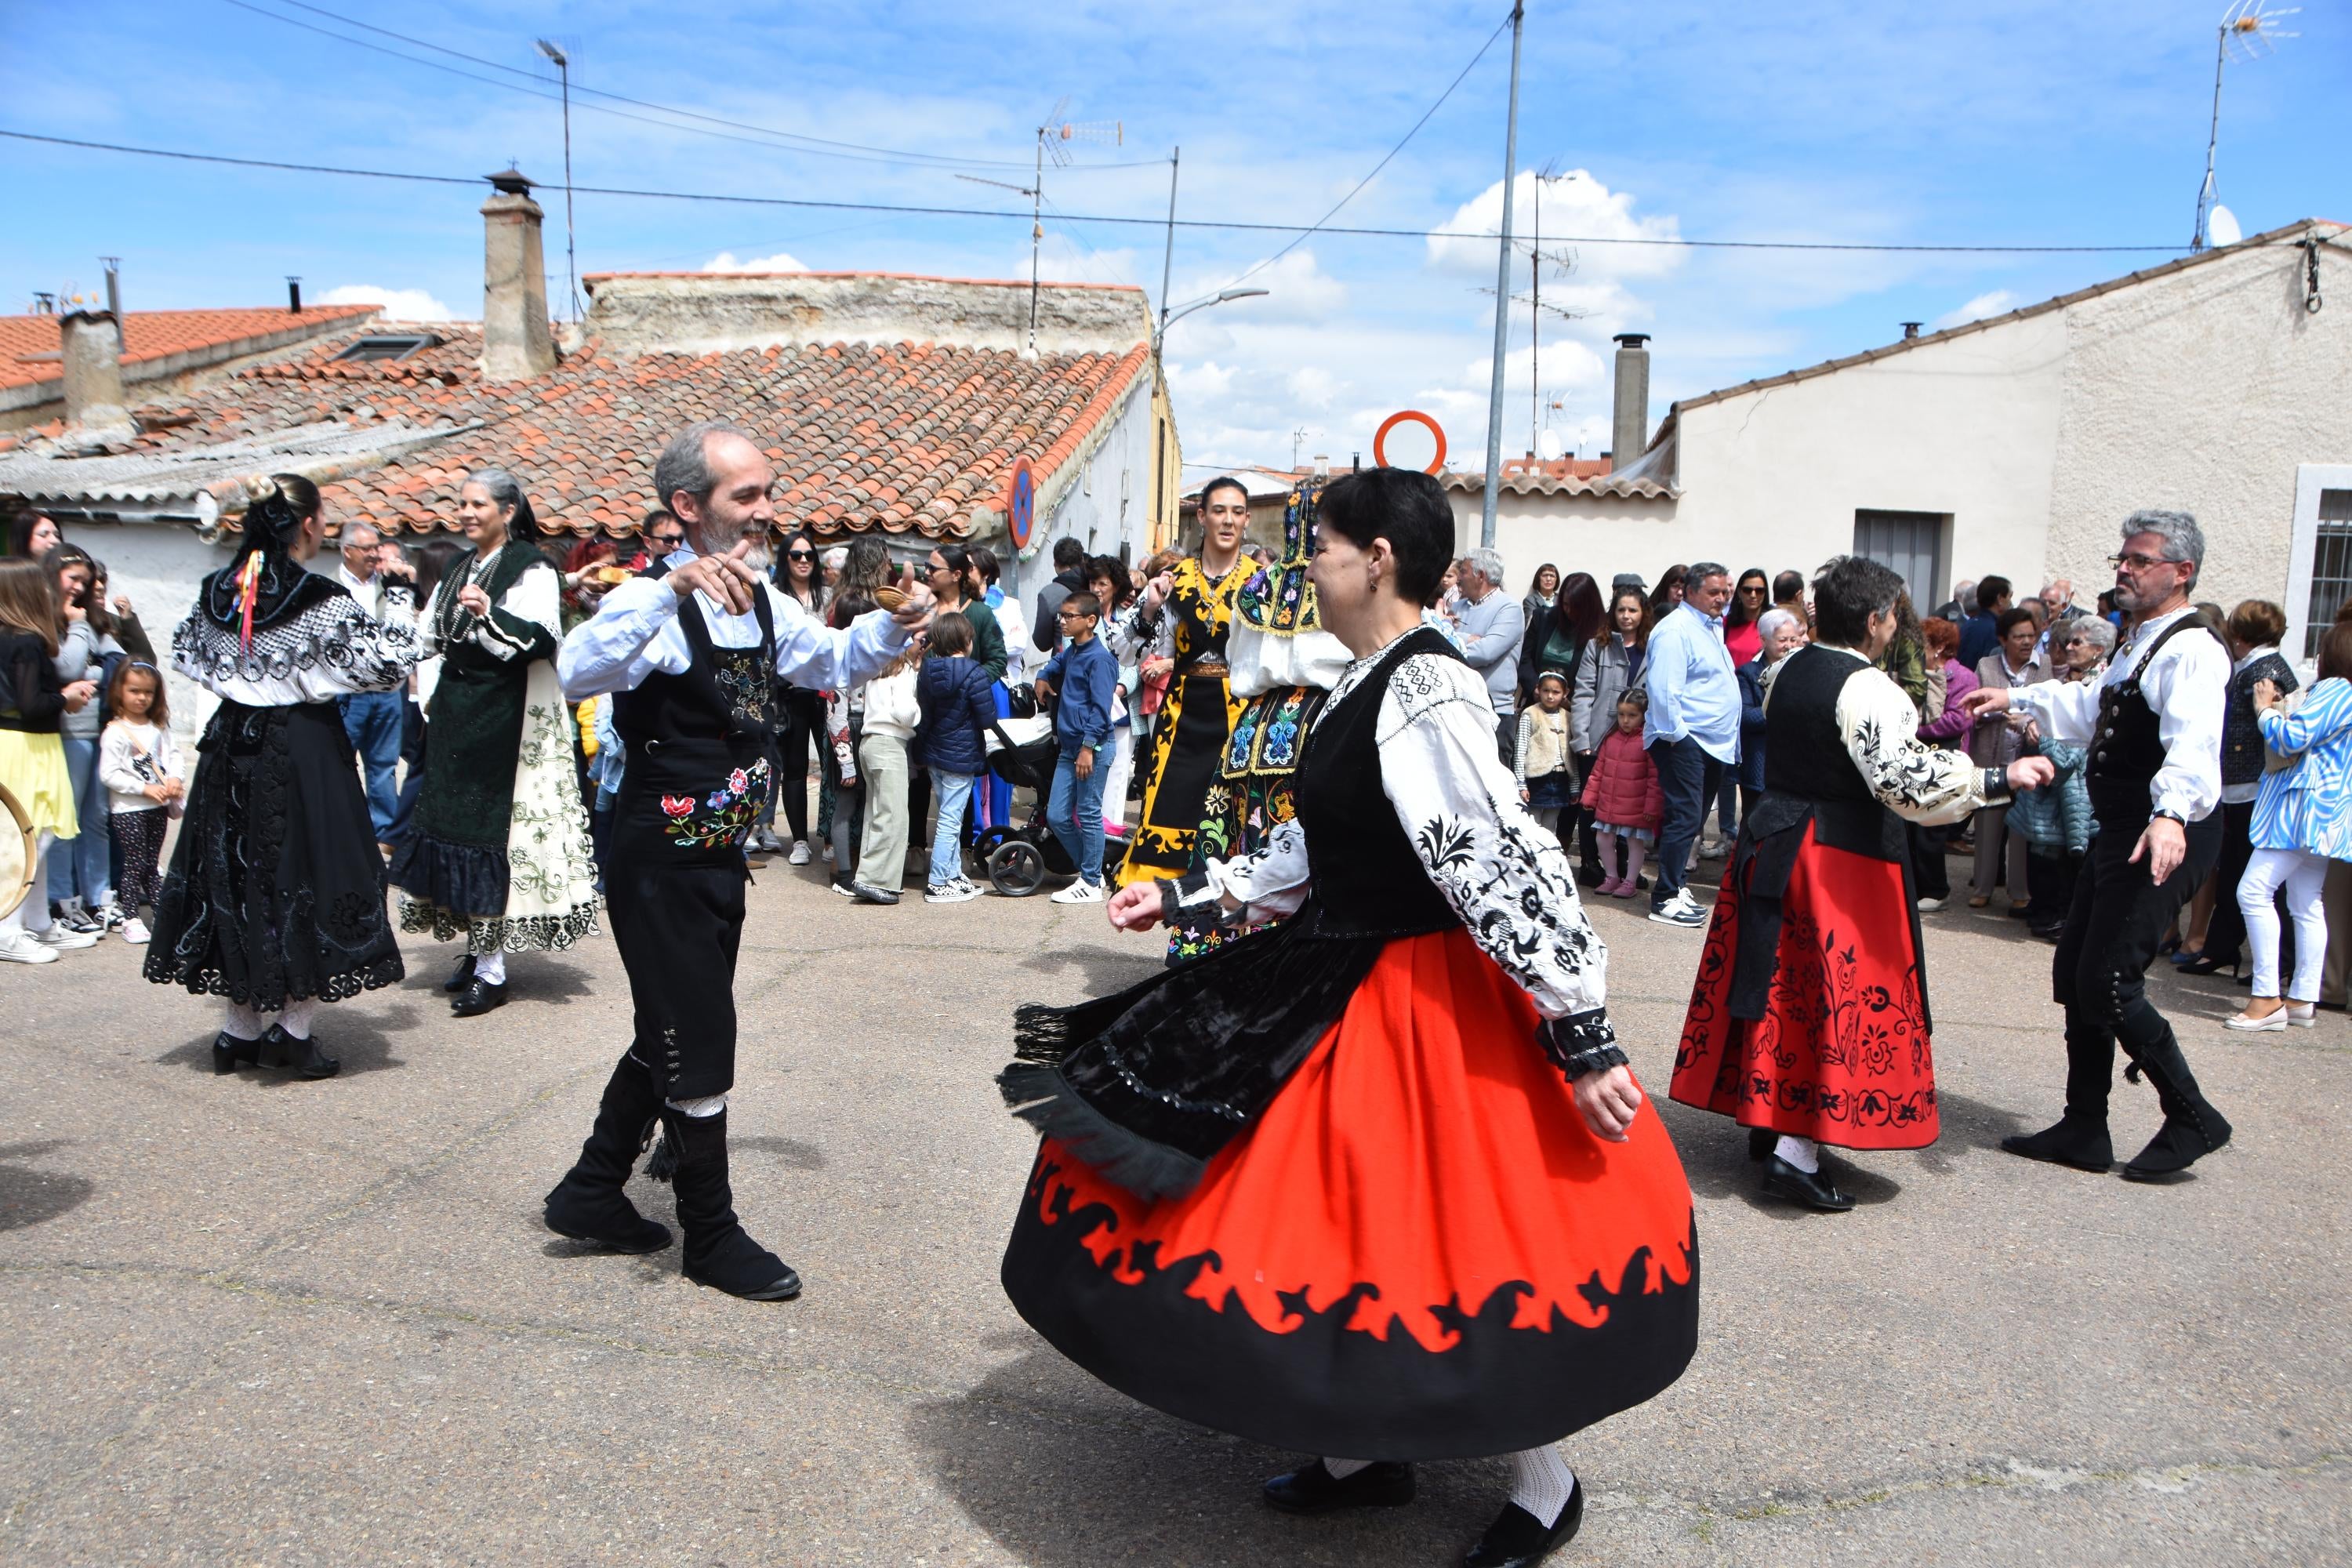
{"x": 2168, "y": 815}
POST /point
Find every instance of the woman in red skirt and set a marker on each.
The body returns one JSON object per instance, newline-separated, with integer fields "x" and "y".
{"x": 1808, "y": 1021}
{"x": 1374, "y": 1182}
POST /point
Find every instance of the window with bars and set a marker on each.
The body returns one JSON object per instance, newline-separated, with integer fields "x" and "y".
{"x": 2331, "y": 567}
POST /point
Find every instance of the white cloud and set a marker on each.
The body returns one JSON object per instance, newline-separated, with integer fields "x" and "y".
{"x": 1313, "y": 385}
{"x": 1992, "y": 304}
{"x": 1207, "y": 379}
{"x": 1575, "y": 204}
{"x": 399, "y": 304}
{"x": 781, "y": 261}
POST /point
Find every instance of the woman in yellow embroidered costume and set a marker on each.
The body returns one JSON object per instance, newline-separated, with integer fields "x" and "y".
{"x": 1184, "y": 615}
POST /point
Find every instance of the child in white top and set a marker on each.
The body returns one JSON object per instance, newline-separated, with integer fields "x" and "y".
{"x": 139, "y": 763}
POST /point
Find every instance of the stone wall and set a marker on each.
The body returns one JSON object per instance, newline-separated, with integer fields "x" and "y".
{"x": 698, "y": 313}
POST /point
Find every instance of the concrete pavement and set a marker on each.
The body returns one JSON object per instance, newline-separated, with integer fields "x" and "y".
{"x": 255, "y": 1320}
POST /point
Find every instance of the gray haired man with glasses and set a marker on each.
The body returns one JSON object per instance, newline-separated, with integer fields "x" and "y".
{"x": 2153, "y": 727}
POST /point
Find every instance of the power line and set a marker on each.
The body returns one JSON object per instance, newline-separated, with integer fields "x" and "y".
{"x": 759, "y": 135}
{"x": 1383, "y": 163}
{"x": 1230, "y": 225}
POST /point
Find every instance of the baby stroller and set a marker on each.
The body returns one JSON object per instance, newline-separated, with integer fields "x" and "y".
{"x": 1023, "y": 753}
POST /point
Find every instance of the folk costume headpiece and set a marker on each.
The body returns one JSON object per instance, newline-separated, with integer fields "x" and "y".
{"x": 264, "y": 584}
{"x": 1278, "y": 637}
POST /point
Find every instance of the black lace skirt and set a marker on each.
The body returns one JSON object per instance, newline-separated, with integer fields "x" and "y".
{"x": 275, "y": 891}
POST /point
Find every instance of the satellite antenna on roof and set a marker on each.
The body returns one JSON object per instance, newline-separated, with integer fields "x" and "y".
{"x": 1055, "y": 139}
{"x": 2247, "y": 33}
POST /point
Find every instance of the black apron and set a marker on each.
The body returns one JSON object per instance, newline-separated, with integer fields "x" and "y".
{"x": 695, "y": 785}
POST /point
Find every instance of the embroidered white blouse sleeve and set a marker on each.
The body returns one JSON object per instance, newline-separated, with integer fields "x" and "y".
{"x": 1506, "y": 878}
{"x": 1142, "y": 634}
{"x": 534, "y": 601}
{"x": 1917, "y": 783}
{"x": 332, "y": 648}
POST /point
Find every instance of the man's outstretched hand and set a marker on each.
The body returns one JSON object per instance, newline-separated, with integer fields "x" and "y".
{"x": 725, "y": 578}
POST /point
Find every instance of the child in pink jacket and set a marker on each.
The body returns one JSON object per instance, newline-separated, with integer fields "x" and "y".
{"x": 1624, "y": 796}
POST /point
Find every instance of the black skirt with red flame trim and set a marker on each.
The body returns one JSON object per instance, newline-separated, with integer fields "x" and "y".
{"x": 1418, "y": 1251}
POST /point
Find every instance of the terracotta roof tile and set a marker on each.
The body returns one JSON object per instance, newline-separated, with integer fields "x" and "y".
{"x": 895, "y": 436}
{"x": 29, "y": 344}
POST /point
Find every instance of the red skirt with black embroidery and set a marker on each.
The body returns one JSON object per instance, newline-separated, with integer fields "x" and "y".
{"x": 1841, "y": 1055}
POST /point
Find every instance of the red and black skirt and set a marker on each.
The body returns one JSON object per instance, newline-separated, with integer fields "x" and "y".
{"x": 1827, "y": 1038}
{"x": 1416, "y": 1251}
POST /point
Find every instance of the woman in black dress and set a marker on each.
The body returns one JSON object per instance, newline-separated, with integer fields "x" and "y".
{"x": 1375, "y": 1181}
{"x": 275, "y": 902}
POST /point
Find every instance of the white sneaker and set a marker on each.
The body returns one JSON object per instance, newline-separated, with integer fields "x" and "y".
{"x": 1080, "y": 892}
{"x": 1682, "y": 910}
{"x": 109, "y": 915}
{"x": 1932, "y": 906}
{"x": 57, "y": 939}
{"x": 135, "y": 931}
{"x": 828, "y": 854}
{"x": 22, "y": 947}
{"x": 800, "y": 855}
{"x": 956, "y": 892}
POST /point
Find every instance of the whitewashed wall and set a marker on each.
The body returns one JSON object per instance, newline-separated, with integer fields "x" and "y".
{"x": 159, "y": 565}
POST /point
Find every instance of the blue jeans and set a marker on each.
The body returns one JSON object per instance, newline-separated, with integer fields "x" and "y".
{"x": 1074, "y": 813}
{"x": 1688, "y": 777}
{"x": 78, "y": 868}
{"x": 372, "y": 720}
{"x": 954, "y": 793}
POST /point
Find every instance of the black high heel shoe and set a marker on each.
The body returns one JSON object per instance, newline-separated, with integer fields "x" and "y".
{"x": 303, "y": 1055}
{"x": 2205, "y": 963}
{"x": 230, "y": 1053}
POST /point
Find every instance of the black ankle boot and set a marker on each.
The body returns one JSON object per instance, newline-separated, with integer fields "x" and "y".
{"x": 230, "y": 1053}
{"x": 2084, "y": 1145}
{"x": 302, "y": 1054}
{"x": 717, "y": 1251}
{"x": 1312, "y": 1488}
{"x": 2192, "y": 1128}
{"x": 589, "y": 1204}
{"x": 1517, "y": 1539}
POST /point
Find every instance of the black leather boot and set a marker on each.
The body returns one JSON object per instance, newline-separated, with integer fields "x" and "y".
{"x": 589, "y": 1204}
{"x": 2079, "y": 1138}
{"x": 2084, "y": 1145}
{"x": 1312, "y": 1488}
{"x": 2192, "y": 1129}
{"x": 719, "y": 1253}
{"x": 302, "y": 1054}
{"x": 230, "y": 1053}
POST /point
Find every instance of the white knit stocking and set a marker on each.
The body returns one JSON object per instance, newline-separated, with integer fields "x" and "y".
{"x": 239, "y": 1022}
{"x": 1541, "y": 1482}
{"x": 296, "y": 1019}
{"x": 490, "y": 968}
{"x": 1801, "y": 1152}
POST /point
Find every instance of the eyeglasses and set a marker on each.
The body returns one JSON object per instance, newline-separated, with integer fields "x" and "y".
{"x": 2138, "y": 562}
{"x": 800, "y": 554}
{"x": 1076, "y": 615}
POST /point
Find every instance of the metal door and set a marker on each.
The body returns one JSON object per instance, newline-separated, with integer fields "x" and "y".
{"x": 1912, "y": 542}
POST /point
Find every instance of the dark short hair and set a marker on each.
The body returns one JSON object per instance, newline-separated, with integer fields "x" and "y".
{"x": 2335, "y": 652}
{"x": 1083, "y": 604}
{"x": 2258, "y": 623}
{"x": 1222, "y": 481}
{"x": 1634, "y": 697}
{"x": 1788, "y": 585}
{"x": 1992, "y": 591}
{"x": 1067, "y": 552}
{"x": 1403, "y": 506}
{"x": 1698, "y": 572}
{"x": 655, "y": 518}
{"x": 951, "y": 634}
{"x": 2010, "y": 619}
{"x": 984, "y": 561}
{"x": 1850, "y": 590}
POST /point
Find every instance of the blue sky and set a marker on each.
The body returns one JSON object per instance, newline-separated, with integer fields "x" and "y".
{"x": 2005, "y": 121}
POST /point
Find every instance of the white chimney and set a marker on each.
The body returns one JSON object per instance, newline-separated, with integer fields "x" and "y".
{"x": 1629, "y": 425}
{"x": 91, "y": 346}
{"x": 516, "y": 342}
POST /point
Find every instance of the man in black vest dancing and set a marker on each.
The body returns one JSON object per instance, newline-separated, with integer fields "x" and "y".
{"x": 2154, "y": 730}
{"x": 692, "y": 652}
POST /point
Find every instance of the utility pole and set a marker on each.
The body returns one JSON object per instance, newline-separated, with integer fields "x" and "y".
{"x": 1502, "y": 294}
{"x": 1168, "y": 259}
{"x": 554, "y": 52}
{"x": 1036, "y": 235}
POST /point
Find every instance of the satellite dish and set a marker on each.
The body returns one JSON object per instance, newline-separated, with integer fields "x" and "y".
{"x": 1551, "y": 446}
{"x": 2221, "y": 225}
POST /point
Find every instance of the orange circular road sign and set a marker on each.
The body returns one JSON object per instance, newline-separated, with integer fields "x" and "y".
{"x": 1413, "y": 417}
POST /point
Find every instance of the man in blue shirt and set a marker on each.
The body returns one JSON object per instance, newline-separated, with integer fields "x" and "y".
{"x": 1692, "y": 730}
{"x": 1493, "y": 627}
{"x": 1085, "y": 673}
{"x": 1981, "y": 633}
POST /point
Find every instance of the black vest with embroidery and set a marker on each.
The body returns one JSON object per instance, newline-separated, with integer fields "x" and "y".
{"x": 698, "y": 773}
{"x": 1808, "y": 775}
{"x": 2127, "y": 743}
{"x": 1368, "y": 880}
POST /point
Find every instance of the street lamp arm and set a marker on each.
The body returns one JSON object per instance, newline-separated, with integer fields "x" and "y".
{"x": 1183, "y": 311}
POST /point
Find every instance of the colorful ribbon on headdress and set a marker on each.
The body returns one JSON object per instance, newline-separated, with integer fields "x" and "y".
{"x": 249, "y": 589}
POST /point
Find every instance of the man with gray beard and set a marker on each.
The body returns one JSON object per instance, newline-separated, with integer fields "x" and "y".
{"x": 2153, "y": 727}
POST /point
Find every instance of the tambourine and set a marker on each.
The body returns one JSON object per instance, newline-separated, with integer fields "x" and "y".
{"x": 16, "y": 844}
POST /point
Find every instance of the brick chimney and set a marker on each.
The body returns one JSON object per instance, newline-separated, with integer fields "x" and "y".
{"x": 516, "y": 342}
{"x": 1629, "y": 425}
{"x": 92, "y": 344}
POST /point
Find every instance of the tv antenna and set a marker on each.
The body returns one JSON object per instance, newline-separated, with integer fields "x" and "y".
{"x": 1056, "y": 139}
{"x": 2246, "y": 35}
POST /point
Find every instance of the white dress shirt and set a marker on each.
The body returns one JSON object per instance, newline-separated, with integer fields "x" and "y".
{"x": 377, "y": 595}
{"x": 2188, "y": 685}
{"x": 635, "y": 631}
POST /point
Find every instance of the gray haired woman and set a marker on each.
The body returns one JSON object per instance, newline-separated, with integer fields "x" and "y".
{"x": 500, "y": 852}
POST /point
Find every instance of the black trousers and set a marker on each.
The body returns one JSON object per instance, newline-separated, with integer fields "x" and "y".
{"x": 1931, "y": 877}
{"x": 2113, "y": 927}
{"x": 678, "y": 928}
